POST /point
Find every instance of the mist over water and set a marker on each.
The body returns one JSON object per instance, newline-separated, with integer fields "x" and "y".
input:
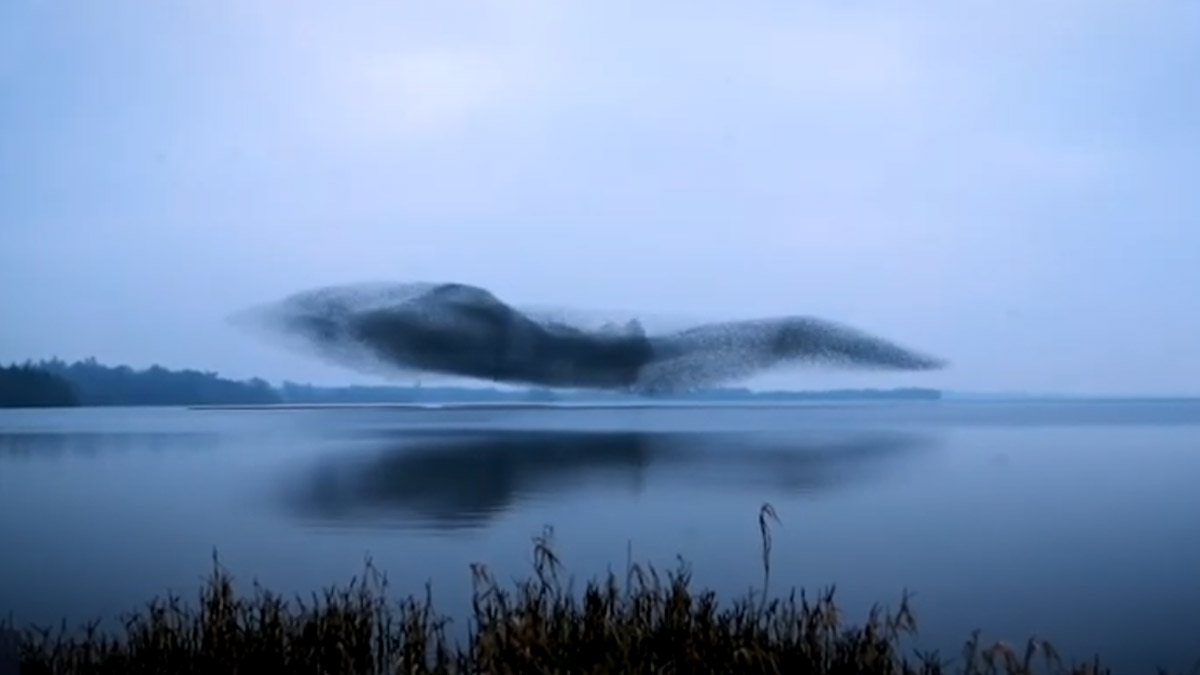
{"x": 1054, "y": 519}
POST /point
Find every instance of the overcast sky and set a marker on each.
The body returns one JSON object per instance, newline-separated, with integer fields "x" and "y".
{"x": 1011, "y": 185}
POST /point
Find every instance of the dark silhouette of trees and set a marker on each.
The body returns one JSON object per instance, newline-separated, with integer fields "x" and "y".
{"x": 89, "y": 383}
{"x": 27, "y": 386}
{"x": 98, "y": 385}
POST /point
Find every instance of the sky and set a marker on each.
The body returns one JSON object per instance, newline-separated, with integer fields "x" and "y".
{"x": 1004, "y": 184}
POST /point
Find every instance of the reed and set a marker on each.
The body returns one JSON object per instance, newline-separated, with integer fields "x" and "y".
{"x": 652, "y": 622}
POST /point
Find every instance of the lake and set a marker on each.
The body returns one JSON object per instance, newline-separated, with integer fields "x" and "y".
{"x": 1074, "y": 521}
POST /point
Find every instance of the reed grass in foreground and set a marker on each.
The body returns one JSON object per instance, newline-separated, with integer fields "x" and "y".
{"x": 650, "y": 623}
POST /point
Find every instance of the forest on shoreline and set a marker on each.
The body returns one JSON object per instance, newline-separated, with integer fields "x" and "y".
{"x": 57, "y": 383}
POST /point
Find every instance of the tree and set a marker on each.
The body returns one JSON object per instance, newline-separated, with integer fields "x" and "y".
{"x": 27, "y": 386}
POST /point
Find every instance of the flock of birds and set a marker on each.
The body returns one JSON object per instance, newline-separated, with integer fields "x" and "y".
{"x": 466, "y": 331}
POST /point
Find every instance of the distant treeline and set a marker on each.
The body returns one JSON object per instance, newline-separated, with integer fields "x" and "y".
{"x": 89, "y": 383}
{"x": 27, "y": 386}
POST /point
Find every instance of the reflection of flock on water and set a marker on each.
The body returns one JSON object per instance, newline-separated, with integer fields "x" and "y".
{"x": 462, "y": 480}
{"x": 460, "y": 469}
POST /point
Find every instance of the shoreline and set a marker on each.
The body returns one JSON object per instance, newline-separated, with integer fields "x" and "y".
{"x": 563, "y": 405}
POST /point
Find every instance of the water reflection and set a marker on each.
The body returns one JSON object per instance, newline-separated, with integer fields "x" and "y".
{"x": 51, "y": 445}
{"x": 464, "y": 480}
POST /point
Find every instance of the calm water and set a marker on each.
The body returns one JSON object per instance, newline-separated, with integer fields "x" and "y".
{"x": 1075, "y": 521}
